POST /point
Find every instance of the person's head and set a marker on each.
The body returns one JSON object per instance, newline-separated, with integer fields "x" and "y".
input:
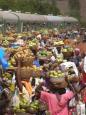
{"x": 77, "y": 51}
{"x": 54, "y": 87}
{"x": 59, "y": 49}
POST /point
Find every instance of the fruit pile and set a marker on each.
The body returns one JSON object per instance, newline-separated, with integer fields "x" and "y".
{"x": 23, "y": 105}
{"x": 59, "y": 59}
{"x": 67, "y": 49}
{"x": 26, "y": 107}
{"x": 44, "y": 53}
{"x": 56, "y": 74}
{"x": 33, "y": 107}
{"x": 57, "y": 43}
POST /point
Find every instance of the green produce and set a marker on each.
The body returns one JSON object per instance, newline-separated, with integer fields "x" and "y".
{"x": 67, "y": 49}
{"x": 57, "y": 74}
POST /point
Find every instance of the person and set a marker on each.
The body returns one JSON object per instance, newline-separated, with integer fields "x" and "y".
{"x": 56, "y": 99}
{"x": 36, "y": 62}
{"x": 84, "y": 69}
{"x": 67, "y": 64}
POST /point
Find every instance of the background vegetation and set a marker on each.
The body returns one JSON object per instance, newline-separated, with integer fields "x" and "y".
{"x": 33, "y": 6}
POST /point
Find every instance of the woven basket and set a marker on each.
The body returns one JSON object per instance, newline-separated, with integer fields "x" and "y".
{"x": 61, "y": 83}
{"x": 67, "y": 54}
{"x": 37, "y": 73}
{"x": 26, "y": 73}
{"x": 28, "y": 61}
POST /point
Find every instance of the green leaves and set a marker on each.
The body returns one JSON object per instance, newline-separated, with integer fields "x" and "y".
{"x": 74, "y": 8}
{"x": 33, "y": 6}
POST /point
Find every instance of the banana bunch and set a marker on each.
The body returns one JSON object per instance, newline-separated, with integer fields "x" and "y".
{"x": 58, "y": 43}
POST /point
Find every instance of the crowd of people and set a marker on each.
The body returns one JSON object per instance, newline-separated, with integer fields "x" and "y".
{"x": 44, "y": 65}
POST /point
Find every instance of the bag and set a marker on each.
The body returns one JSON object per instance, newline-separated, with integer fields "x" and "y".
{"x": 72, "y": 103}
{"x": 25, "y": 94}
{"x": 16, "y": 99}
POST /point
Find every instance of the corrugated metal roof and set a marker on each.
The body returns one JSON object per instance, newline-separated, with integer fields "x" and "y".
{"x": 8, "y": 16}
{"x": 70, "y": 19}
{"x": 55, "y": 18}
{"x": 31, "y": 17}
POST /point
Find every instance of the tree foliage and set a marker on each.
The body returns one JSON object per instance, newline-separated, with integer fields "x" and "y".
{"x": 74, "y": 8}
{"x": 33, "y": 6}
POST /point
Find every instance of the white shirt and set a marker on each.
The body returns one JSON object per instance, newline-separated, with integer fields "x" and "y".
{"x": 52, "y": 59}
{"x": 55, "y": 51}
{"x": 69, "y": 64}
{"x": 84, "y": 66}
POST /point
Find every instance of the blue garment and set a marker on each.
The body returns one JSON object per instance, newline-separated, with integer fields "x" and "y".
{"x": 1, "y": 88}
{"x": 36, "y": 62}
{"x": 3, "y": 61}
{"x": 2, "y": 52}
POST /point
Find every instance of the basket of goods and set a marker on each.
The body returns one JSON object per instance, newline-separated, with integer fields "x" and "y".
{"x": 71, "y": 73}
{"x": 20, "y": 109}
{"x": 45, "y": 37}
{"x": 67, "y": 52}
{"x": 36, "y": 107}
{"x": 11, "y": 39}
{"x": 58, "y": 43}
{"x": 59, "y": 59}
{"x": 26, "y": 72}
{"x": 44, "y": 54}
{"x": 37, "y": 71}
{"x": 33, "y": 44}
{"x": 28, "y": 61}
{"x": 33, "y": 107}
{"x": 55, "y": 33}
{"x": 57, "y": 78}
{"x": 26, "y": 57}
{"x": 5, "y": 43}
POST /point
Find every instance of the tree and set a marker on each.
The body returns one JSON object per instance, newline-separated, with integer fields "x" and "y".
{"x": 33, "y": 6}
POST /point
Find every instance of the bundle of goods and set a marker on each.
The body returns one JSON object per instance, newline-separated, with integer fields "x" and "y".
{"x": 44, "y": 54}
{"x": 26, "y": 72}
{"x": 11, "y": 39}
{"x": 58, "y": 43}
{"x": 59, "y": 59}
{"x": 37, "y": 71}
{"x": 33, "y": 44}
{"x": 5, "y": 43}
{"x": 21, "y": 104}
{"x": 67, "y": 51}
{"x": 32, "y": 108}
{"x": 25, "y": 56}
{"x": 36, "y": 106}
{"x": 57, "y": 78}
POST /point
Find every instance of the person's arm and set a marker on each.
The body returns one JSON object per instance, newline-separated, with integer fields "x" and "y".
{"x": 40, "y": 94}
{"x": 65, "y": 98}
{"x": 18, "y": 77}
{"x": 75, "y": 69}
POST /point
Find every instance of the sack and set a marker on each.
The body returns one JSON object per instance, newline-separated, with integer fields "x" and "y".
{"x": 25, "y": 94}
{"x": 72, "y": 103}
{"x": 16, "y": 99}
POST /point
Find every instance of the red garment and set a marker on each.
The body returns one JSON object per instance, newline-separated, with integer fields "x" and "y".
{"x": 71, "y": 111}
{"x": 56, "y": 106}
{"x": 84, "y": 95}
{"x": 84, "y": 77}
